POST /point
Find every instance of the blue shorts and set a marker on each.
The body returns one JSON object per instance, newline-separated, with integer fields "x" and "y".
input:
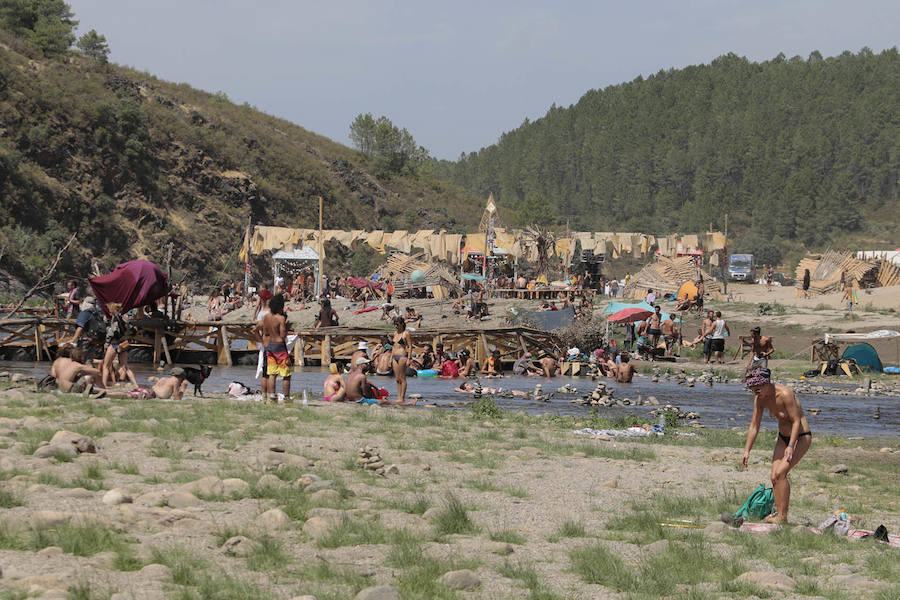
{"x": 367, "y": 401}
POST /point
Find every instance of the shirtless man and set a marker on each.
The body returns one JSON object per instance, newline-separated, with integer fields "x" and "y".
{"x": 549, "y": 366}
{"x": 362, "y": 351}
{"x": 278, "y": 361}
{"x": 709, "y": 325}
{"x": 794, "y": 435}
{"x": 170, "y": 387}
{"x": 761, "y": 349}
{"x": 383, "y": 360}
{"x": 625, "y": 371}
{"x": 492, "y": 364}
{"x": 670, "y": 334}
{"x": 71, "y": 374}
{"x": 655, "y": 327}
{"x": 359, "y": 389}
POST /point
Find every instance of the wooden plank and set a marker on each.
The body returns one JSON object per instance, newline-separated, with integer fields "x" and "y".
{"x": 326, "y": 350}
{"x": 224, "y": 347}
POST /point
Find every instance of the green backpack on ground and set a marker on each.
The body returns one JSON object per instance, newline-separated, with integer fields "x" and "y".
{"x": 759, "y": 504}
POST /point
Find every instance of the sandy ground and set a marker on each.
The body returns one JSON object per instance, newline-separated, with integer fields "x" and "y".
{"x": 189, "y": 476}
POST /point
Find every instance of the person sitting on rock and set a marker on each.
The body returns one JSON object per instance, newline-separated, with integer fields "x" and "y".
{"x": 70, "y": 372}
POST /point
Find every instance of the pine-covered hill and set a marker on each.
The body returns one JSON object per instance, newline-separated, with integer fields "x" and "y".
{"x": 133, "y": 163}
{"x": 802, "y": 152}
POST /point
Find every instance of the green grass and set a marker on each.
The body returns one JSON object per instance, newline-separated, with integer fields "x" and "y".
{"x": 354, "y": 532}
{"x": 32, "y": 438}
{"x": 508, "y": 536}
{"x": 416, "y": 505}
{"x": 528, "y": 576}
{"x": 77, "y": 539}
{"x": 126, "y": 468}
{"x": 85, "y": 590}
{"x": 268, "y": 554}
{"x": 642, "y": 523}
{"x": 420, "y": 571}
{"x": 7, "y": 475}
{"x": 10, "y": 499}
{"x": 453, "y": 518}
{"x": 598, "y": 565}
{"x": 569, "y": 529}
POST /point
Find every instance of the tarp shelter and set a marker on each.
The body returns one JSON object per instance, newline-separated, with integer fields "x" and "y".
{"x": 548, "y": 320}
{"x": 881, "y": 334}
{"x": 687, "y": 291}
{"x": 865, "y": 356}
{"x": 614, "y": 307}
{"x": 293, "y": 261}
{"x": 132, "y": 284}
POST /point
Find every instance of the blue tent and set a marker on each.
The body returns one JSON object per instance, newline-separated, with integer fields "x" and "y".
{"x": 865, "y": 356}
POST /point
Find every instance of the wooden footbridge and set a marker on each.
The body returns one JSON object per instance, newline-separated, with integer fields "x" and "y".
{"x": 37, "y": 338}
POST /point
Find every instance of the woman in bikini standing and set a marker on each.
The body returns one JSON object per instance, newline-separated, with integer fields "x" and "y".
{"x": 400, "y": 357}
{"x": 794, "y": 435}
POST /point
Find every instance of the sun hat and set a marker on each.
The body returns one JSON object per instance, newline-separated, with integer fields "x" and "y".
{"x": 362, "y": 361}
{"x": 177, "y": 372}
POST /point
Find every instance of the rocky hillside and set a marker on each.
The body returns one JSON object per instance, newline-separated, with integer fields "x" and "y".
{"x": 132, "y": 163}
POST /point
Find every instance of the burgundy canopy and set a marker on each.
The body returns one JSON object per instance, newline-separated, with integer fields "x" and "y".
{"x": 361, "y": 282}
{"x": 132, "y": 284}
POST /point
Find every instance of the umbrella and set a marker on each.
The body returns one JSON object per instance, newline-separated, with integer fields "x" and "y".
{"x": 131, "y": 284}
{"x": 629, "y": 315}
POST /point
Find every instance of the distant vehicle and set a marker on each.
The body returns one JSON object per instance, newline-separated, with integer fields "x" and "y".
{"x": 741, "y": 267}
{"x": 785, "y": 279}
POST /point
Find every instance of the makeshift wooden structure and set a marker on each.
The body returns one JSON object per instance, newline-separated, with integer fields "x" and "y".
{"x": 825, "y": 272}
{"x": 441, "y": 281}
{"x": 666, "y": 275}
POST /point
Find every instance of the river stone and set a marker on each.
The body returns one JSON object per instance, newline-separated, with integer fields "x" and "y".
{"x": 322, "y": 484}
{"x": 269, "y": 481}
{"x": 206, "y": 486}
{"x": 769, "y": 580}
{"x": 80, "y": 493}
{"x": 235, "y": 487}
{"x": 431, "y": 513}
{"x": 182, "y": 500}
{"x": 31, "y": 422}
{"x": 50, "y": 551}
{"x": 860, "y": 585}
{"x": 51, "y": 450}
{"x": 116, "y": 496}
{"x": 460, "y": 580}
{"x": 378, "y": 592}
{"x": 274, "y": 519}
{"x": 840, "y": 469}
{"x": 657, "y": 547}
{"x": 317, "y": 527}
{"x": 237, "y": 546}
{"x": 98, "y": 423}
{"x": 325, "y": 497}
{"x": 151, "y": 499}
{"x": 81, "y": 442}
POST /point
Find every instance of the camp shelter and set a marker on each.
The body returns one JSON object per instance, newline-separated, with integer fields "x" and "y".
{"x": 687, "y": 291}
{"x": 865, "y": 356}
{"x": 296, "y": 260}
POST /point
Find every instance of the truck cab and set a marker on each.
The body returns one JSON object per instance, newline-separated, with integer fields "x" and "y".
{"x": 742, "y": 267}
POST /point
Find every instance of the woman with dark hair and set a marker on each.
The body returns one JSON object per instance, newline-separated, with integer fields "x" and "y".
{"x": 327, "y": 316}
{"x": 402, "y": 346}
{"x": 806, "y": 283}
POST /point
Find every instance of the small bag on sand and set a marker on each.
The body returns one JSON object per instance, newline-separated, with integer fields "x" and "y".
{"x": 759, "y": 504}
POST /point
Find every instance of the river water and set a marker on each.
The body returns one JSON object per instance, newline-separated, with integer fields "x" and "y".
{"x": 722, "y": 406}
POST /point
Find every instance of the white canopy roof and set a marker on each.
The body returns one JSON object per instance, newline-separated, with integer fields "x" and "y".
{"x": 881, "y": 334}
{"x": 304, "y": 253}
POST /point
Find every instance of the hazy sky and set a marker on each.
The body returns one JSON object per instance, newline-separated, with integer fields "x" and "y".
{"x": 456, "y": 73}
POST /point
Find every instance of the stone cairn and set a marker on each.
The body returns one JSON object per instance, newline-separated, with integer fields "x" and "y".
{"x": 369, "y": 459}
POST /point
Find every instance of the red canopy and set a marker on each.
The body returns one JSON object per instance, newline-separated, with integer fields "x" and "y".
{"x": 629, "y": 315}
{"x": 132, "y": 284}
{"x": 361, "y": 282}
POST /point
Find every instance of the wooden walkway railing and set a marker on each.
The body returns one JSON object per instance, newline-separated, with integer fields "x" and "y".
{"x": 45, "y": 334}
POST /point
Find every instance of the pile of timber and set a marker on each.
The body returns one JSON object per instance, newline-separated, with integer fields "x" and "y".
{"x": 443, "y": 283}
{"x": 666, "y": 275}
{"x": 826, "y": 269}
{"x": 888, "y": 274}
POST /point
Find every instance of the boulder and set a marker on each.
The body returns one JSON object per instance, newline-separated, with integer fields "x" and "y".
{"x": 207, "y": 486}
{"x": 322, "y": 484}
{"x": 840, "y": 469}
{"x": 51, "y": 450}
{"x": 81, "y": 442}
{"x": 460, "y": 580}
{"x": 325, "y": 497}
{"x": 98, "y": 423}
{"x": 317, "y": 527}
{"x": 860, "y": 586}
{"x": 156, "y": 572}
{"x": 235, "y": 487}
{"x": 182, "y": 500}
{"x": 274, "y": 519}
{"x": 237, "y": 546}
{"x": 116, "y": 496}
{"x": 269, "y": 481}
{"x": 378, "y": 592}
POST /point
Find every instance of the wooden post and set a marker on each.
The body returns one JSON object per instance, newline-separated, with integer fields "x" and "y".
{"x": 165, "y": 347}
{"x": 156, "y": 345}
{"x": 321, "y": 254}
{"x": 38, "y": 342}
{"x": 485, "y": 350}
{"x": 224, "y": 346}
{"x": 299, "y": 358}
{"x": 326, "y": 350}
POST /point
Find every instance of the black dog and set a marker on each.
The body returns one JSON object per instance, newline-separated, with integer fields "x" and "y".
{"x": 197, "y": 375}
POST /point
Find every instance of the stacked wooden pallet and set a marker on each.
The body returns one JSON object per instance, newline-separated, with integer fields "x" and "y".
{"x": 666, "y": 275}
{"x": 888, "y": 274}
{"x": 826, "y": 271}
{"x": 442, "y": 282}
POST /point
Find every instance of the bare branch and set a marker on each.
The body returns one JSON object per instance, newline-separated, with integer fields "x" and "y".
{"x": 42, "y": 282}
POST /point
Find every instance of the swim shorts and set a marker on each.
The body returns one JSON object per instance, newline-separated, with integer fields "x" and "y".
{"x": 717, "y": 345}
{"x": 141, "y": 393}
{"x": 278, "y": 360}
{"x": 655, "y": 332}
{"x": 367, "y": 401}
